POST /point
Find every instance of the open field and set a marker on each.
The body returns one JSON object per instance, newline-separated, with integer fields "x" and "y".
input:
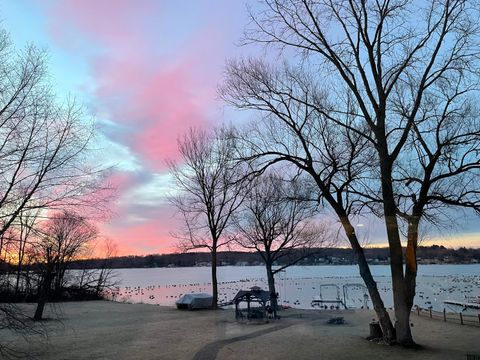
{"x": 108, "y": 330}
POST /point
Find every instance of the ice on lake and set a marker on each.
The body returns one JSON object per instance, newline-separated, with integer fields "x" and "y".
{"x": 298, "y": 285}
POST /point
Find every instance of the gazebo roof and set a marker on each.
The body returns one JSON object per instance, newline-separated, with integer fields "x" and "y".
{"x": 262, "y": 295}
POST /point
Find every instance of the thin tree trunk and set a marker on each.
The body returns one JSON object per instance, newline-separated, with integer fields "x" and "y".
{"x": 80, "y": 285}
{"x": 21, "y": 254}
{"x": 214, "y": 279}
{"x": 17, "y": 281}
{"x": 101, "y": 280}
{"x": 28, "y": 289}
{"x": 1, "y": 245}
{"x": 58, "y": 284}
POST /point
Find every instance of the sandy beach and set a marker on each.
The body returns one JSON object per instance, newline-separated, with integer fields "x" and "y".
{"x": 109, "y": 330}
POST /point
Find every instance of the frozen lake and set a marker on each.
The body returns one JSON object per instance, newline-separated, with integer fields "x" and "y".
{"x": 298, "y": 285}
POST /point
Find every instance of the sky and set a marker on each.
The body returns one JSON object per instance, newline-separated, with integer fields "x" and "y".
{"x": 146, "y": 71}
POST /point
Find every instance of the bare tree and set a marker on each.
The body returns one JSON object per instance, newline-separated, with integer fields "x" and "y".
{"x": 208, "y": 192}
{"x": 27, "y": 221}
{"x": 294, "y": 131}
{"x": 45, "y": 157}
{"x": 44, "y": 143}
{"x": 63, "y": 239}
{"x": 277, "y": 221}
{"x": 100, "y": 280}
{"x": 105, "y": 278}
{"x": 7, "y": 248}
{"x": 406, "y": 73}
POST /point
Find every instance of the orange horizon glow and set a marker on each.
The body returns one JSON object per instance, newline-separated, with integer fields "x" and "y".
{"x": 452, "y": 243}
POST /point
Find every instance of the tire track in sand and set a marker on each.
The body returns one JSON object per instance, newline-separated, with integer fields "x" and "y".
{"x": 210, "y": 351}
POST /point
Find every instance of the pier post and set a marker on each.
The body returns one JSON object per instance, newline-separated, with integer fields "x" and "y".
{"x": 430, "y": 311}
{"x": 461, "y": 318}
{"x": 444, "y": 315}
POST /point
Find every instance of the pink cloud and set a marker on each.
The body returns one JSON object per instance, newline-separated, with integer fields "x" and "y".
{"x": 155, "y": 104}
{"x": 120, "y": 181}
{"x": 139, "y": 226}
{"x": 115, "y": 21}
{"x": 155, "y": 70}
{"x": 144, "y": 238}
{"x": 156, "y": 97}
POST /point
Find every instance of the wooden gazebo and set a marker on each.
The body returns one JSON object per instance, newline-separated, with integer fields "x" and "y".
{"x": 256, "y": 297}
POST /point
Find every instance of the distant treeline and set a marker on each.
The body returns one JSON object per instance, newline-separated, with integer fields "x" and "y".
{"x": 338, "y": 256}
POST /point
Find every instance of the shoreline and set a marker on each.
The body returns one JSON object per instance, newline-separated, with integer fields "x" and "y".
{"x": 298, "y": 286}
{"x": 262, "y": 265}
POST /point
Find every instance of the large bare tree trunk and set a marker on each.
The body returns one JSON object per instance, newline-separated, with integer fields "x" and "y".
{"x": 411, "y": 259}
{"x": 410, "y": 270}
{"x": 402, "y": 310}
{"x": 272, "y": 289}
{"x": 365, "y": 273}
{"x": 43, "y": 294}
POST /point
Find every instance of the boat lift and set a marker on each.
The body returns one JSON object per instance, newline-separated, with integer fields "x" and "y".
{"x": 322, "y": 302}
{"x": 336, "y": 303}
